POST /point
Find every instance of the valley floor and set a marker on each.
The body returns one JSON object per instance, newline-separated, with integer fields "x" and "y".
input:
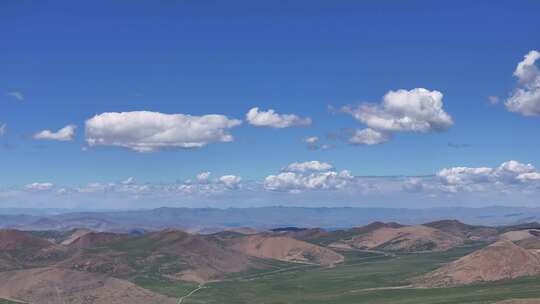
{"x": 365, "y": 277}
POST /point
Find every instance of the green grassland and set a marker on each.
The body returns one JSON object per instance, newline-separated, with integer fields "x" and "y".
{"x": 3, "y": 301}
{"x": 364, "y": 278}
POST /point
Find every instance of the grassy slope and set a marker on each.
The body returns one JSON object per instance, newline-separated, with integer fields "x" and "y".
{"x": 347, "y": 283}
{"x": 2, "y": 301}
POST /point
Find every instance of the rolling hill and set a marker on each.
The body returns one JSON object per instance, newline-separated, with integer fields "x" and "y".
{"x": 499, "y": 261}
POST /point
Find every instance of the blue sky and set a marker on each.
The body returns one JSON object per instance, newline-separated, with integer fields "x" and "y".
{"x": 63, "y": 63}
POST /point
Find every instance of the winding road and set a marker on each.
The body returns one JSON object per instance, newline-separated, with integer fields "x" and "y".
{"x": 181, "y": 299}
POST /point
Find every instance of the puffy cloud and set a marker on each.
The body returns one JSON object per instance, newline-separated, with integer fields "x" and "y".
{"x": 230, "y": 181}
{"x": 203, "y": 177}
{"x": 144, "y": 131}
{"x": 295, "y": 182}
{"x": 464, "y": 175}
{"x": 413, "y": 185}
{"x": 3, "y": 129}
{"x": 311, "y": 175}
{"x": 313, "y": 165}
{"x": 508, "y": 173}
{"x": 17, "y": 95}
{"x": 368, "y": 136}
{"x": 526, "y": 99}
{"x": 67, "y": 133}
{"x": 417, "y": 110}
{"x": 39, "y": 186}
{"x": 274, "y": 120}
{"x": 529, "y": 177}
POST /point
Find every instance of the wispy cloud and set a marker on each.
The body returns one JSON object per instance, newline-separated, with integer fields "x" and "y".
{"x": 67, "y": 133}
{"x": 17, "y": 95}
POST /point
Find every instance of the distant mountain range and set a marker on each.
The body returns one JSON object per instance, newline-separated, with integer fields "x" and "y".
{"x": 208, "y": 220}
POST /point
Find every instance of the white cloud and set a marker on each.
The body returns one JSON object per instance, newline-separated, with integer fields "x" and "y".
{"x": 144, "y": 131}
{"x": 67, "y": 133}
{"x": 508, "y": 173}
{"x": 274, "y": 120}
{"x": 39, "y": 186}
{"x": 311, "y": 140}
{"x": 230, "y": 181}
{"x": 464, "y": 175}
{"x": 296, "y": 182}
{"x": 413, "y": 185}
{"x": 417, "y": 110}
{"x": 129, "y": 181}
{"x": 203, "y": 177}
{"x": 526, "y": 99}
{"x": 313, "y": 165}
{"x": 368, "y": 136}
{"x": 17, "y": 95}
{"x": 3, "y": 129}
{"x": 529, "y": 177}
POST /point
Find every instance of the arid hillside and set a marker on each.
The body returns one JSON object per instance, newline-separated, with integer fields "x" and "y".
{"x": 284, "y": 248}
{"x": 499, "y": 261}
{"x": 464, "y": 231}
{"x": 60, "y": 286}
{"x": 406, "y": 238}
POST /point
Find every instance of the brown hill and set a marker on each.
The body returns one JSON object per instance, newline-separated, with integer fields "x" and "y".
{"x": 461, "y": 230}
{"x": 171, "y": 253}
{"x": 532, "y": 243}
{"x": 284, "y": 248}
{"x": 92, "y": 239}
{"x": 21, "y": 249}
{"x": 57, "y": 286}
{"x": 19, "y": 240}
{"x": 519, "y": 235}
{"x": 501, "y": 260}
{"x": 75, "y": 235}
{"x": 374, "y": 226}
{"x": 407, "y": 238}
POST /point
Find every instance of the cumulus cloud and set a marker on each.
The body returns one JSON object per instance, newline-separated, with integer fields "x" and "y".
{"x": 417, "y": 110}
{"x": 17, "y": 95}
{"x": 39, "y": 186}
{"x": 144, "y": 131}
{"x": 3, "y": 129}
{"x": 312, "y": 175}
{"x": 230, "y": 181}
{"x": 203, "y": 177}
{"x": 295, "y": 182}
{"x": 511, "y": 182}
{"x": 369, "y": 136}
{"x": 67, "y": 133}
{"x": 308, "y": 166}
{"x": 526, "y": 98}
{"x": 508, "y": 173}
{"x": 274, "y": 120}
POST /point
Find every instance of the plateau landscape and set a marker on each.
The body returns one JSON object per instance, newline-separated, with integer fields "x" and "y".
{"x": 269, "y": 152}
